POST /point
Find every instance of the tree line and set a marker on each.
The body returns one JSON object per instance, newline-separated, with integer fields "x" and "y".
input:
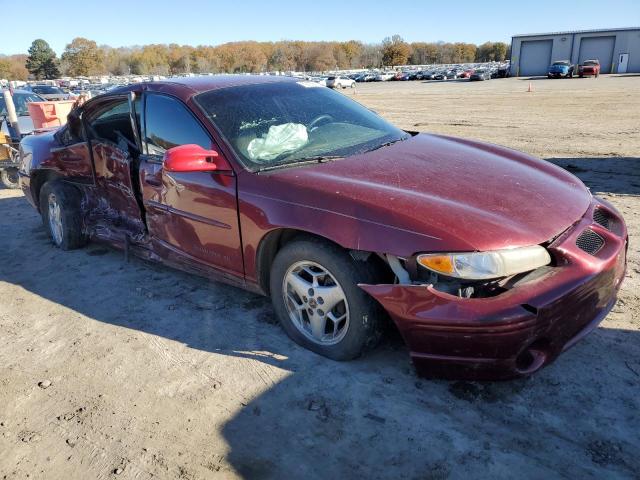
{"x": 83, "y": 57}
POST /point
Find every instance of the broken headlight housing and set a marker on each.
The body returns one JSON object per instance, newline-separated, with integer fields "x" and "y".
{"x": 486, "y": 265}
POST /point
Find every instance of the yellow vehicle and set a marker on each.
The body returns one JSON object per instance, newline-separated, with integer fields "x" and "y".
{"x": 9, "y": 162}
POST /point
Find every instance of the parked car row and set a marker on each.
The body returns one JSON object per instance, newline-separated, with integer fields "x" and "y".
{"x": 564, "y": 68}
{"x": 435, "y": 72}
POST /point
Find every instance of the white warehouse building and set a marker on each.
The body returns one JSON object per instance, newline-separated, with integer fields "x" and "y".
{"x": 617, "y": 49}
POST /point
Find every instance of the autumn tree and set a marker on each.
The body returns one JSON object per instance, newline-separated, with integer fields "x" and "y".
{"x": 371, "y": 56}
{"x": 82, "y": 57}
{"x": 352, "y": 52}
{"x": 492, "y": 52}
{"x": 395, "y": 51}
{"x": 12, "y": 67}
{"x": 42, "y": 62}
{"x": 423, "y": 53}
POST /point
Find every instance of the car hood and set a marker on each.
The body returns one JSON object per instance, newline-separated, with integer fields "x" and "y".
{"x": 467, "y": 195}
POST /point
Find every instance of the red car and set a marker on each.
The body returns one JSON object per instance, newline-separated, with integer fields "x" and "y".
{"x": 490, "y": 262}
{"x": 588, "y": 68}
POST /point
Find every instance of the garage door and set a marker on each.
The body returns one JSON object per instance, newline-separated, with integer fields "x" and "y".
{"x": 535, "y": 57}
{"x": 600, "y": 48}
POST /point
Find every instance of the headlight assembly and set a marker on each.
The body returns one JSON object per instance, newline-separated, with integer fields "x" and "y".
{"x": 486, "y": 265}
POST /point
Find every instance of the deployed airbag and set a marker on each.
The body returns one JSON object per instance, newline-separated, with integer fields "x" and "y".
{"x": 280, "y": 139}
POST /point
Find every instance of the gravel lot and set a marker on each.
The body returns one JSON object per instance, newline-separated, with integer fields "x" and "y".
{"x": 130, "y": 370}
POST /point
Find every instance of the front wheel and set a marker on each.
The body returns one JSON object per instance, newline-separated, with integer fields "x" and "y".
{"x": 9, "y": 177}
{"x": 315, "y": 293}
{"x": 61, "y": 214}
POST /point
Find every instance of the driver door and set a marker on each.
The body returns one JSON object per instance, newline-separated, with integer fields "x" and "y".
{"x": 191, "y": 216}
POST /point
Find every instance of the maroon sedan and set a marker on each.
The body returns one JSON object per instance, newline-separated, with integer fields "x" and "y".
{"x": 490, "y": 262}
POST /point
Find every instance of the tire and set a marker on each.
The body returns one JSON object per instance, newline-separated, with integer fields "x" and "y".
{"x": 10, "y": 178}
{"x": 62, "y": 201}
{"x": 362, "y": 328}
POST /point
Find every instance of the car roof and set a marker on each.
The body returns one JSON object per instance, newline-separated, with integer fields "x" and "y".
{"x": 186, "y": 87}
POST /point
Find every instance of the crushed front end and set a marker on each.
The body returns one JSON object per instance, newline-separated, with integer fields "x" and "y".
{"x": 517, "y": 326}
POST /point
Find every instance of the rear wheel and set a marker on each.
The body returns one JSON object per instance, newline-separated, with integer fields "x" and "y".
{"x": 315, "y": 293}
{"x": 61, "y": 214}
{"x": 9, "y": 177}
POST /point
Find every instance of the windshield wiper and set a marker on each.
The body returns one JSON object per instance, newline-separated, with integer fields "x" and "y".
{"x": 302, "y": 161}
{"x": 386, "y": 144}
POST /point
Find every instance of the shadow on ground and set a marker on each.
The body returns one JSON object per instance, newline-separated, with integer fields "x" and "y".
{"x": 371, "y": 418}
{"x": 618, "y": 175}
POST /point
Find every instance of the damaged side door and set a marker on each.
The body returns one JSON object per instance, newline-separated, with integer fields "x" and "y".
{"x": 114, "y": 212}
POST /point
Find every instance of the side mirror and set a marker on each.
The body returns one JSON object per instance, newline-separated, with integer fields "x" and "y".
{"x": 194, "y": 158}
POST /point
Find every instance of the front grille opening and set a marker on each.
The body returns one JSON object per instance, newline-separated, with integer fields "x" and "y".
{"x": 602, "y": 218}
{"x": 590, "y": 242}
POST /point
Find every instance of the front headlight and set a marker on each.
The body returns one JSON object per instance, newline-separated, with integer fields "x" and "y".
{"x": 486, "y": 265}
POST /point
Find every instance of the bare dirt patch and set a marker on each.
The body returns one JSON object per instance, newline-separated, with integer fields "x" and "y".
{"x": 151, "y": 373}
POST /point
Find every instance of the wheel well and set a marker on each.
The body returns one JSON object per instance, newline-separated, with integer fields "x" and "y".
{"x": 273, "y": 242}
{"x": 38, "y": 179}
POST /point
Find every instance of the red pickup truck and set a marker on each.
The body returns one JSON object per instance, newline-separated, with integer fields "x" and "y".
{"x": 589, "y": 67}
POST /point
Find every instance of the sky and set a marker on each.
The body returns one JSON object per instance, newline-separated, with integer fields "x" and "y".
{"x": 137, "y": 22}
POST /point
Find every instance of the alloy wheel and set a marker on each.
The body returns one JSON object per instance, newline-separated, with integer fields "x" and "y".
{"x": 55, "y": 219}
{"x": 316, "y": 303}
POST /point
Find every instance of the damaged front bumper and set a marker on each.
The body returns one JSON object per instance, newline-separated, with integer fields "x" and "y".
{"x": 521, "y": 330}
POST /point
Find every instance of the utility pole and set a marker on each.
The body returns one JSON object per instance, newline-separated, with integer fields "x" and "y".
{"x": 11, "y": 113}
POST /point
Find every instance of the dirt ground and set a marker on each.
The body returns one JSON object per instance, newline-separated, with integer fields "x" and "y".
{"x": 130, "y": 370}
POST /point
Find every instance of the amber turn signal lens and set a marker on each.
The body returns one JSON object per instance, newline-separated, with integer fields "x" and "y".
{"x": 438, "y": 263}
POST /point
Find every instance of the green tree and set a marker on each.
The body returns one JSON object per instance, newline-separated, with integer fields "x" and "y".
{"x": 395, "y": 51}
{"x": 42, "y": 62}
{"x": 83, "y": 58}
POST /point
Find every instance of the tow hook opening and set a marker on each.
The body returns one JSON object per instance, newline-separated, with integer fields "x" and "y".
{"x": 533, "y": 357}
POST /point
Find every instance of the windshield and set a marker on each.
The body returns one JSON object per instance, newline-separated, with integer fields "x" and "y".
{"x": 278, "y": 124}
{"x": 20, "y": 101}
{"x": 590, "y": 62}
{"x": 564, "y": 64}
{"x": 46, "y": 90}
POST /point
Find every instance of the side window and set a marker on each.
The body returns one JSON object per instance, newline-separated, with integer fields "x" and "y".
{"x": 110, "y": 121}
{"x": 168, "y": 123}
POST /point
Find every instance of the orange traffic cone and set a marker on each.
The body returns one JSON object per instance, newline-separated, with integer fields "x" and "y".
{"x": 530, "y": 88}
